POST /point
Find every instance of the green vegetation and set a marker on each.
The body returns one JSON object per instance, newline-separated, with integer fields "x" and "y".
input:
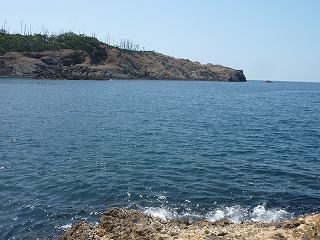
{"x": 42, "y": 42}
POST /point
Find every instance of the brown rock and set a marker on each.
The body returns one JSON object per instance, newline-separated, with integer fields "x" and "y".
{"x": 122, "y": 224}
{"x": 118, "y": 64}
{"x": 80, "y": 231}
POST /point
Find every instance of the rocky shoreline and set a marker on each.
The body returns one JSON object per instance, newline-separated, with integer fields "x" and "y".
{"x": 122, "y": 224}
{"x": 118, "y": 64}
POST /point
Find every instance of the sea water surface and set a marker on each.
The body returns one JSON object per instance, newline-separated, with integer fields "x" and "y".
{"x": 175, "y": 149}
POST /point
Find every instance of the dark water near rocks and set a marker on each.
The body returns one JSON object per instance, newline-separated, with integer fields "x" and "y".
{"x": 175, "y": 149}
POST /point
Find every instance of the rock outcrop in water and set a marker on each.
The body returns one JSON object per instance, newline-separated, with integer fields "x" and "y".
{"x": 121, "y": 224}
{"x": 117, "y": 64}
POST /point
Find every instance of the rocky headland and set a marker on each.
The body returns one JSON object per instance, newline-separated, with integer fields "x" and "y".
{"x": 72, "y": 56}
{"x": 119, "y": 64}
{"x": 122, "y": 224}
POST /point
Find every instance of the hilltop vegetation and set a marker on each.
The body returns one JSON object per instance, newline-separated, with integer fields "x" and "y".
{"x": 42, "y": 42}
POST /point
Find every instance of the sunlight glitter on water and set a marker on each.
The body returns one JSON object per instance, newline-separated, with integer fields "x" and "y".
{"x": 221, "y": 150}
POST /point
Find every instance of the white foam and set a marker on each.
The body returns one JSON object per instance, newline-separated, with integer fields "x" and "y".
{"x": 64, "y": 227}
{"x": 240, "y": 214}
{"x": 163, "y": 213}
{"x": 160, "y": 197}
{"x": 260, "y": 213}
{"x": 170, "y": 214}
{"x": 235, "y": 213}
{"x": 191, "y": 216}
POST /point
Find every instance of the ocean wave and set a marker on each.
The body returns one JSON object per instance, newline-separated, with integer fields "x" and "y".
{"x": 235, "y": 214}
{"x": 64, "y": 227}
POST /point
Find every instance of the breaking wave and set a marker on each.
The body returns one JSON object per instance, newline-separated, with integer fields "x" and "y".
{"x": 235, "y": 214}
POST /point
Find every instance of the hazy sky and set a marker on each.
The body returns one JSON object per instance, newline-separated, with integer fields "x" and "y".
{"x": 268, "y": 39}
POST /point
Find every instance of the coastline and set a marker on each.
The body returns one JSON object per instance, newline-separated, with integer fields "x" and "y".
{"x": 121, "y": 224}
{"x": 119, "y": 64}
{"x": 72, "y": 56}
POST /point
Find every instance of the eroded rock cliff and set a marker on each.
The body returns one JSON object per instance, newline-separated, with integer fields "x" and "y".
{"x": 117, "y": 64}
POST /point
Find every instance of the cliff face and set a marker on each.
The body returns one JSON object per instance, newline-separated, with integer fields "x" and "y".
{"x": 121, "y": 224}
{"x": 118, "y": 64}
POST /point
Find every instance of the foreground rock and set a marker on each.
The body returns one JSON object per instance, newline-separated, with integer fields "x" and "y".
{"x": 118, "y": 64}
{"x": 123, "y": 224}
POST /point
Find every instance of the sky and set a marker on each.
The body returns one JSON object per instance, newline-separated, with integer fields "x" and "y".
{"x": 267, "y": 39}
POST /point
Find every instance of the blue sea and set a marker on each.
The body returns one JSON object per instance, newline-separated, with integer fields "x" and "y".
{"x": 174, "y": 149}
